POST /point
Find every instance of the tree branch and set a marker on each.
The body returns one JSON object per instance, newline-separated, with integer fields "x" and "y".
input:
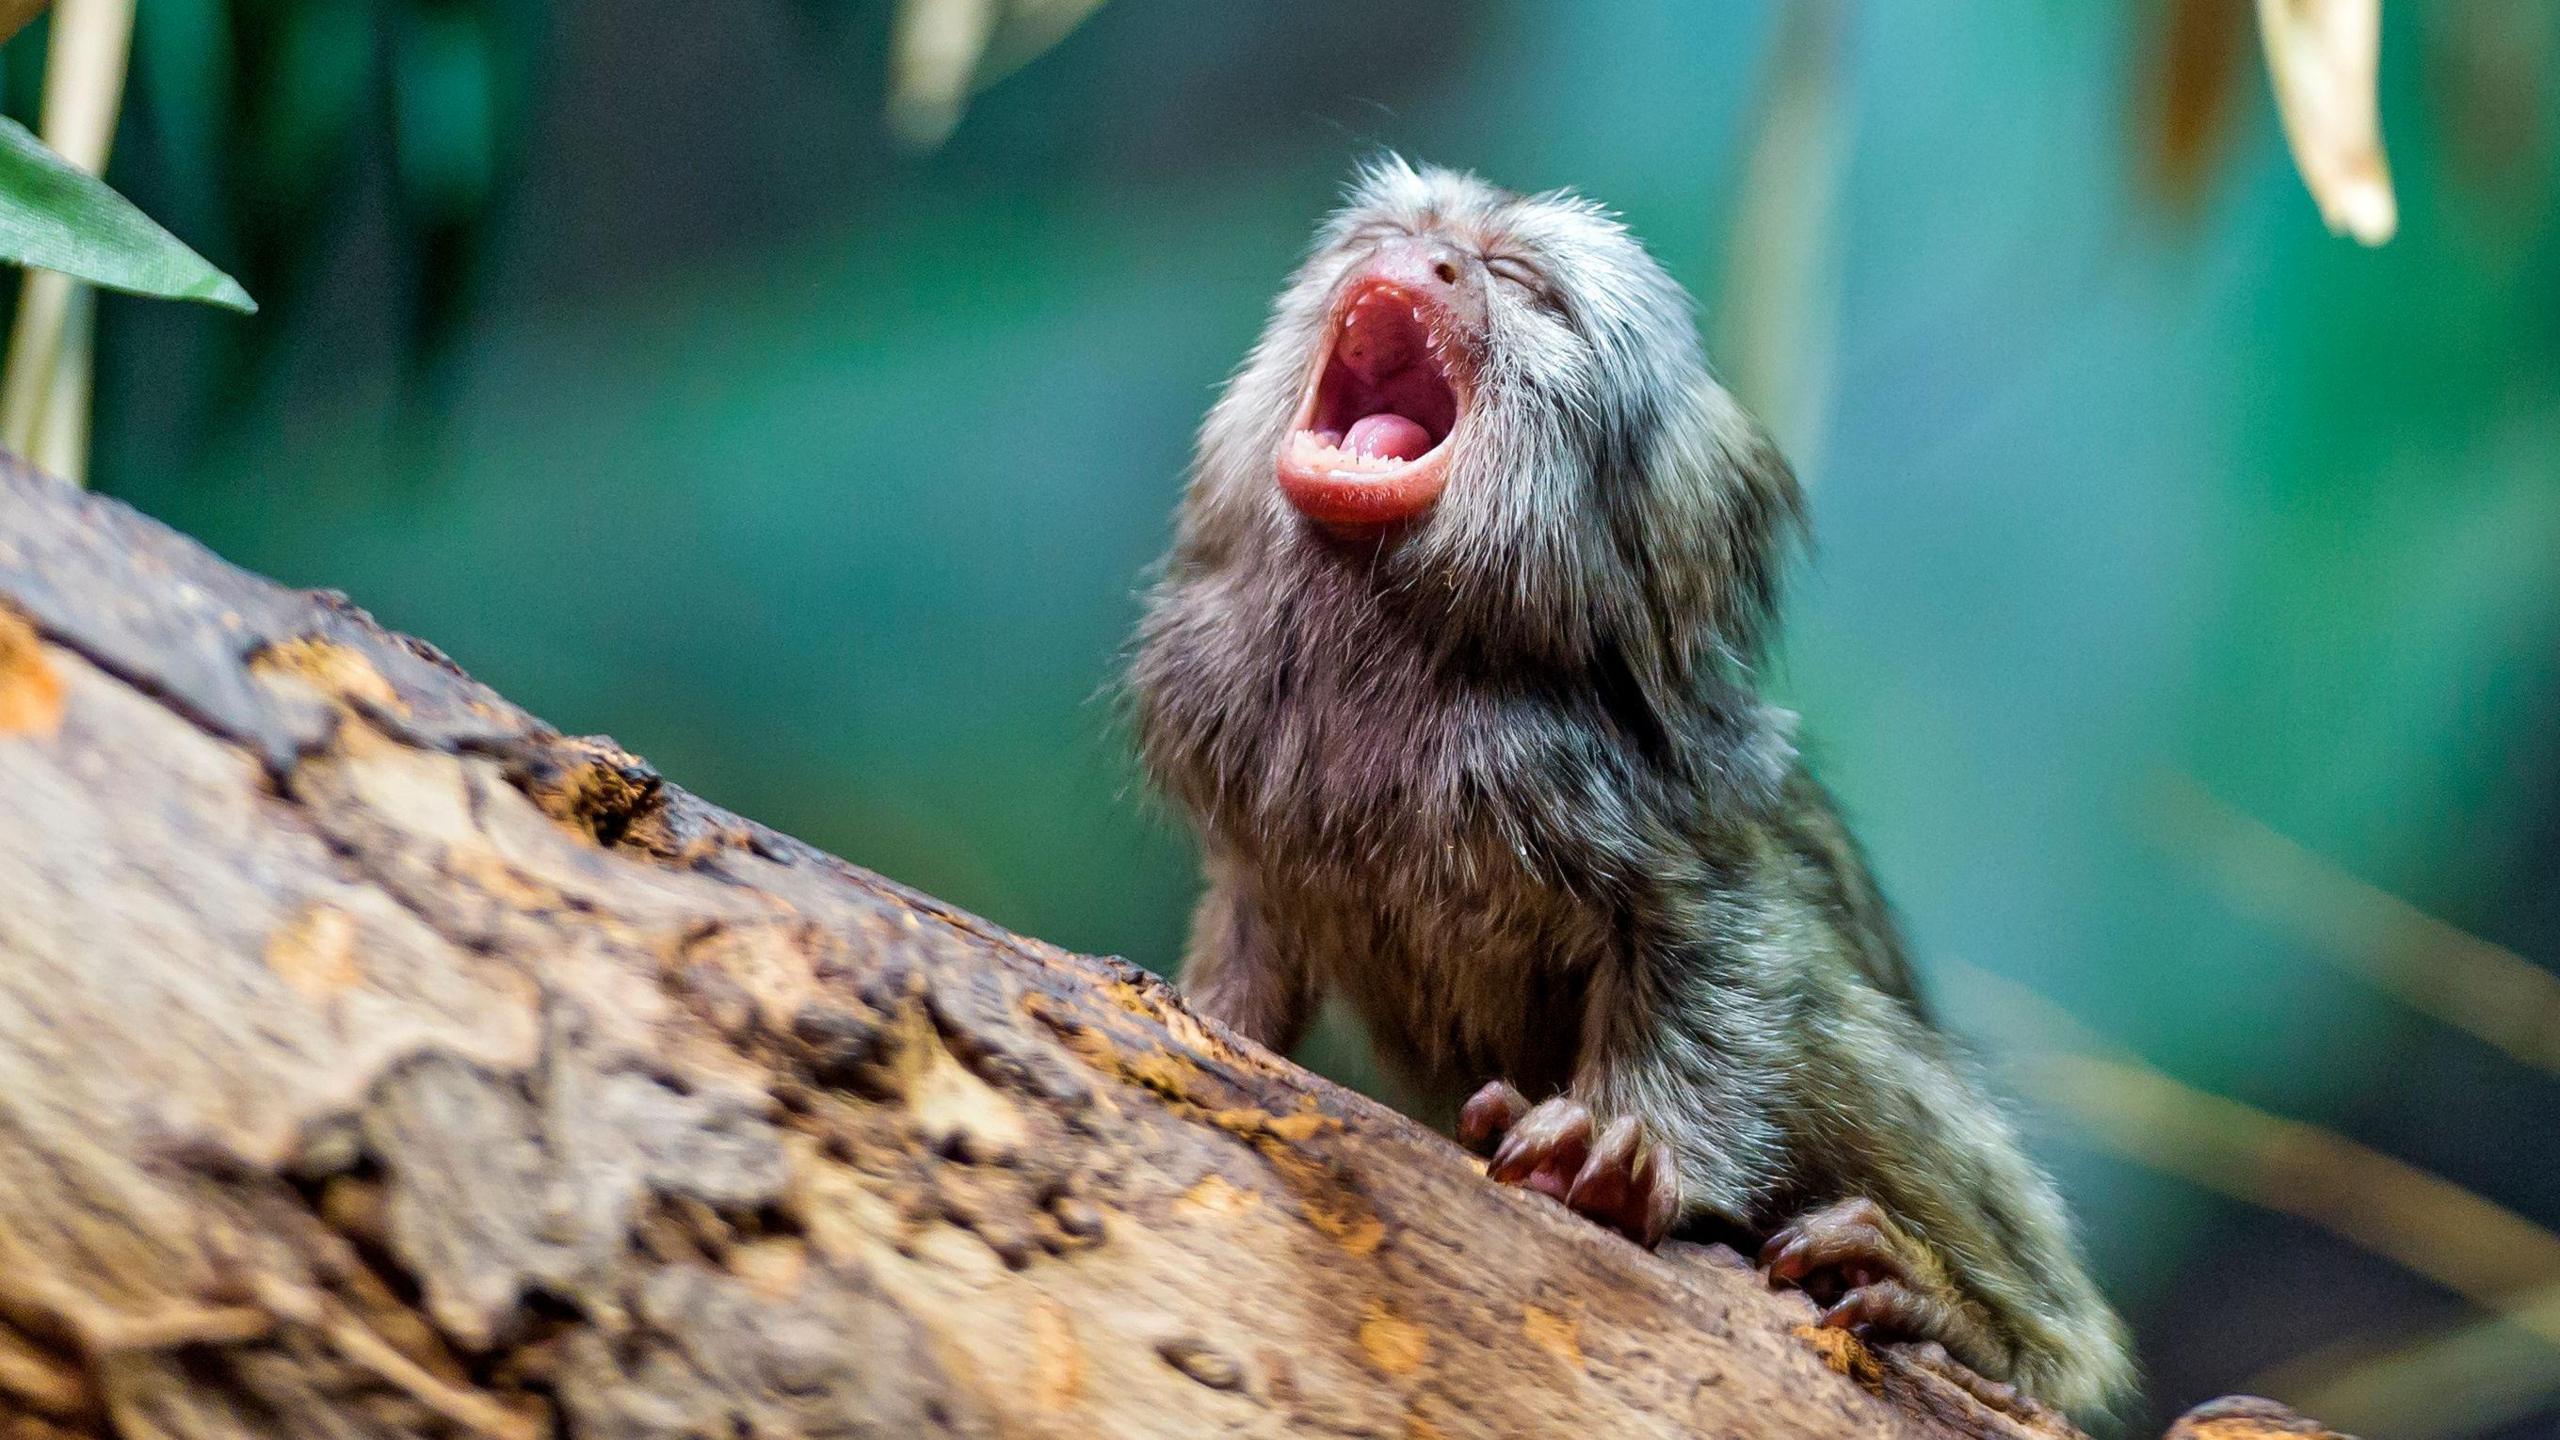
{"x": 375, "y": 1060}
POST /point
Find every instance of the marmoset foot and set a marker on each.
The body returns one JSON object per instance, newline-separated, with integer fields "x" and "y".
{"x": 1616, "y": 1174}
{"x": 1873, "y": 1279}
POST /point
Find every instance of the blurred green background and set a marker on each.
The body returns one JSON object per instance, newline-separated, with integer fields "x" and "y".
{"x": 620, "y": 347}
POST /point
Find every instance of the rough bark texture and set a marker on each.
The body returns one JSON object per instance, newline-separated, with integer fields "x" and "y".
{"x": 376, "y": 1061}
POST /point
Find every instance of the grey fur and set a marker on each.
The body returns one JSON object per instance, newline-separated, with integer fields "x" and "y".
{"x": 1503, "y": 782}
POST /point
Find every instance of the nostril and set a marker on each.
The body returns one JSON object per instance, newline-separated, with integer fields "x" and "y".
{"x": 1447, "y": 272}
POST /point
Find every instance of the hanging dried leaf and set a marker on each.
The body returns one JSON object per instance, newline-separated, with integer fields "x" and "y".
{"x": 933, "y": 55}
{"x": 2324, "y": 55}
{"x": 943, "y": 51}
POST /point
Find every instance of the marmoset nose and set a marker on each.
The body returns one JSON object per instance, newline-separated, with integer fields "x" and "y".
{"x": 1435, "y": 271}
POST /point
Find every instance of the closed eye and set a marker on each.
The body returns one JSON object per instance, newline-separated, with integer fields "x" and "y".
{"x": 1532, "y": 282}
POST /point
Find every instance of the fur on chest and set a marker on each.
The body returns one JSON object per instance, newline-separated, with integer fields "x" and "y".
{"x": 1448, "y": 850}
{"x": 1455, "y": 983}
{"x": 1351, "y": 747}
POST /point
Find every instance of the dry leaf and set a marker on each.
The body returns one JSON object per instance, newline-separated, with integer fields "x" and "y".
{"x": 943, "y": 51}
{"x": 933, "y": 55}
{"x": 2324, "y": 55}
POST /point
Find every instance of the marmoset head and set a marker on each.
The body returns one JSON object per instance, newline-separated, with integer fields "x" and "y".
{"x": 1493, "y": 406}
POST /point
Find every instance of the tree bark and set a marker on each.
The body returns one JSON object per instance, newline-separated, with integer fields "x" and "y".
{"x": 375, "y": 1060}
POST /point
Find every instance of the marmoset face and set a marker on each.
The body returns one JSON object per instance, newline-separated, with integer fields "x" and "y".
{"x": 1500, "y": 401}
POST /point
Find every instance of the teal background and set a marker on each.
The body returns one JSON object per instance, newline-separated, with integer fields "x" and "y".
{"x": 616, "y": 347}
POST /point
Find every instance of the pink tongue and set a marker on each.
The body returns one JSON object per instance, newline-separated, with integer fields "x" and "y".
{"x": 1390, "y": 437}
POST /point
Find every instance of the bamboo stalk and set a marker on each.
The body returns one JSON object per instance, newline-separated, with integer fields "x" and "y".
{"x": 2473, "y": 1246}
{"x": 2465, "y": 1379}
{"x": 2485, "y": 990}
{"x": 2490, "y": 1255}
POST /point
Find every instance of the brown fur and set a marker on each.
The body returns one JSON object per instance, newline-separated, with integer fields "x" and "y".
{"x": 1502, "y": 782}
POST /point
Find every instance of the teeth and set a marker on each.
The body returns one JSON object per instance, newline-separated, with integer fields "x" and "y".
{"x": 1311, "y": 448}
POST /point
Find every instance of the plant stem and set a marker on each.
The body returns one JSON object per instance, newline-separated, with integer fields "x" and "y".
{"x": 44, "y": 408}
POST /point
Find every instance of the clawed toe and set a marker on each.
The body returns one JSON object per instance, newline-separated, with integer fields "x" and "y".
{"x": 1545, "y": 1151}
{"x": 1489, "y": 1115}
{"x": 1872, "y": 1278}
{"x": 1998, "y": 1394}
{"x": 1836, "y": 1249}
{"x": 1885, "y": 1307}
{"x": 1616, "y": 1175}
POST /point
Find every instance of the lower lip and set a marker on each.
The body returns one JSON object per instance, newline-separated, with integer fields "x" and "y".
{"x": 1366, "y": 500}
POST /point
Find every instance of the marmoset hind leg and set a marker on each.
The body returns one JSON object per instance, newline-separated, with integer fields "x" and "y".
{"x": 1234, "y": 973}
{"x": 1955, "y": 1243}
{"x": 1922, "y": 1219}
{"x": 1784, "y": 1081}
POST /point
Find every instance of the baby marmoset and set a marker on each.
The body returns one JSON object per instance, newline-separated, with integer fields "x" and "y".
{"x": 1451, "y": 667}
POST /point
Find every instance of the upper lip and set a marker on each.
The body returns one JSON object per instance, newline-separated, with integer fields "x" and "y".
{"x": 1396, "y": 357}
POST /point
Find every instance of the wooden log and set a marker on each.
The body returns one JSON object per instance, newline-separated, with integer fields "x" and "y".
{"x": 375, "y": 1060}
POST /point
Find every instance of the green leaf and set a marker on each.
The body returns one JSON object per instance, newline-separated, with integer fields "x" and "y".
{"x": 56, "y": 216}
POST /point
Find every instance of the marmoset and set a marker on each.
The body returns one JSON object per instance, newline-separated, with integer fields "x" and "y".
{"x": 1451, "y": 666}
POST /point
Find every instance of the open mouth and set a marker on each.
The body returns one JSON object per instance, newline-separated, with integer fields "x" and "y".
{"x": 1371, "y": 442}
